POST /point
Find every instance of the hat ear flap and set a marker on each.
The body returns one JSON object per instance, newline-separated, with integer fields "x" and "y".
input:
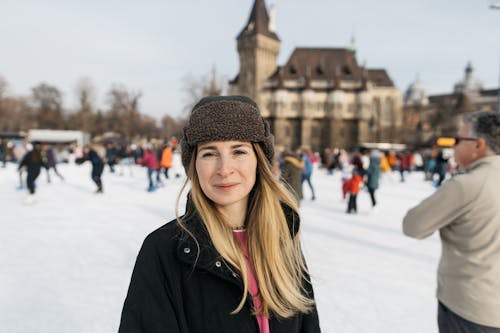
{"x": 267, "y": 128}
{"x": 186, "y": 150}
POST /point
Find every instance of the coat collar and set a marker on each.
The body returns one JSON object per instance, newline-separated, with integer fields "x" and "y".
{"x": 207, "y": 258}
{"x": 491, "y": 159}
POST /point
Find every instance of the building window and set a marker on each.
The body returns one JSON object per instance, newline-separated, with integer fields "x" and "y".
{"x": 287, "y": 131}
{"x": 346, "y": 70}
{"x": 388, "y": 110}
{"x": 350, "y": 109}
{"x": 295, "y": 106}
{"x": 315, "y": 132}
{"x": 293, "y": 70}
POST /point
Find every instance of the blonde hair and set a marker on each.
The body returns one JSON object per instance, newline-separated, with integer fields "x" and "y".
{"x": 273, "y": 249}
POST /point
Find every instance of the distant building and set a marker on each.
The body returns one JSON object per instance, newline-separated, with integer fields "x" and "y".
{"x": 321, "y": 97}
{"x": 428, "y": 117}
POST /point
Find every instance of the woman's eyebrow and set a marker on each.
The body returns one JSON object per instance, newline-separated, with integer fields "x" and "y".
{"x": 207, "y": 148}
{"x": 238, "y": 145}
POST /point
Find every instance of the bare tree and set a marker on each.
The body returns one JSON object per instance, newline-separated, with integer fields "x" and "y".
{"x": 3, "y": 87}
{"x": 172, "y": 126}
{"x": 84, "y": 118}
{"x": 195, "y": 88}
{"x": 123, "y": 115}
{"x": 16, "y": 114}
{"x": 47, "y": 103}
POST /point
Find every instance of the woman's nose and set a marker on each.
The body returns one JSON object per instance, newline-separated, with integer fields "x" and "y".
{"x": 225, "y": 166}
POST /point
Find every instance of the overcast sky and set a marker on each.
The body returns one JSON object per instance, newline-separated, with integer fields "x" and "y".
{"x": 151, "y": 45}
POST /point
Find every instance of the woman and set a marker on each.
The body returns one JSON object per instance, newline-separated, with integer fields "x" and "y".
{"x": 233, "y": 262}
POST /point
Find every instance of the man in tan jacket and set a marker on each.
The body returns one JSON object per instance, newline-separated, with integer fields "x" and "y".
{"x": 466, "y": 211}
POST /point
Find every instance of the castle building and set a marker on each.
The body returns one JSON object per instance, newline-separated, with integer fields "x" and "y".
{"x": 321, "y": 97}
{"x": 428, "y": 117}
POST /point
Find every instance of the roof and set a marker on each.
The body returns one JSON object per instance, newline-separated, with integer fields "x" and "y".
{"x": 380, "y": 78}
{"x": 258, "y": 22}
{"x": 321, "y": 64}
{"x": 489, "y": 92}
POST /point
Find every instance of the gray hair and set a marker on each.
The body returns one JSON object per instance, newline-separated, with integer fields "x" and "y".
{"x": 486, "y": 125}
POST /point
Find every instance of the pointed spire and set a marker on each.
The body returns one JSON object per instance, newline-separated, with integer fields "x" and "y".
{"x": 469, "y": 69}
{"x": 259, "y": 22}
{"x": 352, "y": 45}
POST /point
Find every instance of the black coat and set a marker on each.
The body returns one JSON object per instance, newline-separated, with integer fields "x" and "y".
{"x": 33, "y": 161}
{"x": 168, "y": 293}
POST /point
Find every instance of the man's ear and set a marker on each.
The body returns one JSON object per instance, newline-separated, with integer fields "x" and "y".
{"x": 481, "y": 144}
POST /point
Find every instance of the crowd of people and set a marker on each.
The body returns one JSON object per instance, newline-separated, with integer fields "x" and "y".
{"x": 360, "y": 169}
{"x": 161, "y": 160}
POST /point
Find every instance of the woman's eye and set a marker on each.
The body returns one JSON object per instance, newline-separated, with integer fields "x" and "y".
{"x": 240, "y": 152}
{"x": 207, "y": 154}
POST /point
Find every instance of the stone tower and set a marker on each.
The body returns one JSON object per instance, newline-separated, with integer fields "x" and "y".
{"x": 258, "y": 48}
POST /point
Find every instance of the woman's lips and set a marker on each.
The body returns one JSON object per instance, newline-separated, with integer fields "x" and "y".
{"x": 227, "y": 186}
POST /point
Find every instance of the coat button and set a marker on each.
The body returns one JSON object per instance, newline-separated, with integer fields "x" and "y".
{"x": 235, "y": 275}
{"x": 217, "y": 263}
{"x": 187, "y": 250}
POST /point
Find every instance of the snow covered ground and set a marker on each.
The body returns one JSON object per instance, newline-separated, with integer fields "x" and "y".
{"x": 66, "y": 261}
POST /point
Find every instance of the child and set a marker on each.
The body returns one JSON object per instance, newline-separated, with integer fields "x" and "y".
{"x": 352, "y": 186}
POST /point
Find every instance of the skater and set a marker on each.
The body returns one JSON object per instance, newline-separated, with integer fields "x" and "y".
{"x": 466, "y": 213}
{"x": 150, "y": 161}
{"x": 50, "y": 156}
{"x": 352, "y": 187}
{"x": 372, "y": 176}
{"x": 33, "y": 162}
{"x": 440, "y": 168}
{"x": 166, "y": 160}
{"x": 306, "y": 172}
{"x": 90, "y": 154}
{"x": 233, "y": 262}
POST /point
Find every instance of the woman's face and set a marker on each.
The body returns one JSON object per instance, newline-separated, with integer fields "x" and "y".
{"x": 226, "y": 171}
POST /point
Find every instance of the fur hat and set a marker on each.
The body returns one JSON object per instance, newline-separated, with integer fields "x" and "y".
{"x": 225, "y": 118}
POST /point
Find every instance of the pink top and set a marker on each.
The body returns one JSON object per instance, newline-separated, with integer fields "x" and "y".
{"x": 241, "y": 238}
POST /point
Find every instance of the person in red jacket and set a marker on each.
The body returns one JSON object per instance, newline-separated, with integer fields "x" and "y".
{"x": 150, "y": 161}
{"x": 352, "y": 187}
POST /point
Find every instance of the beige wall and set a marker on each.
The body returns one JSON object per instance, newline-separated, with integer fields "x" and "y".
{"x": 318, "y": 120}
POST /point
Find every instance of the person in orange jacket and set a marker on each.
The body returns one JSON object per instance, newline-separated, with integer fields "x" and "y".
{"x": 352, "y": 187}
{"x": 166, "y": 160}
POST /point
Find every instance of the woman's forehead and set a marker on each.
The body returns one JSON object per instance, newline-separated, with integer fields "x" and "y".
{"x": 223, "y": 144}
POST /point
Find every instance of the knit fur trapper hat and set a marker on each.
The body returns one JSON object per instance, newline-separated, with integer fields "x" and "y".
{"x": 225, "y": 118}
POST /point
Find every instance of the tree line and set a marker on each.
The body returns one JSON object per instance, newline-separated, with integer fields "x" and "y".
{"x": 44, "y": 109}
